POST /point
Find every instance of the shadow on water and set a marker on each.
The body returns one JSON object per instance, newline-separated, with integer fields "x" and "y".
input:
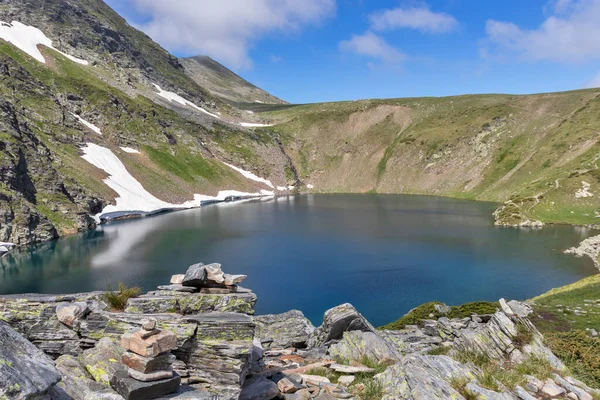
{"x": 383, "y": 253}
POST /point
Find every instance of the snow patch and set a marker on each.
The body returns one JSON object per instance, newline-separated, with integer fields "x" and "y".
{"x": 309, "y": 186}
{"x": 5, "y": 247}
{"x": 291, "y": 187}
{"x": 178, "y": 99}
{"x": 130, "y": 150}
{"x": 258, "y": 101}
{"x": 281, "y": 188}
{"x": 584, "y": 191}
{"x": 253, "y": 125}
{"x": 250, "y": 112}
{"x": 250, "y": 175}
{"x": 27, "y": 38}
{"x": 88, "y": 124}
{"x": 131, "y": 194}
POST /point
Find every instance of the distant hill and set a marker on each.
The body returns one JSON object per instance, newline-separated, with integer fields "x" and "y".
{"x": 222, "y": 82}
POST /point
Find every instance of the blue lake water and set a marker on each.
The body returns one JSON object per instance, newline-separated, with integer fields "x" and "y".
{"x": 383, "y": 253}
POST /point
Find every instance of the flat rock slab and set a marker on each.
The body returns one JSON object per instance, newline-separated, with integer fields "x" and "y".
{"x": 149, "y": 347}
{"x": 193, "y": 303}
{"x": 147, "y": 364}
{"x": 348, "y": 369}
{"x": 131, "y": 389}
{"x": 178, "y": 288}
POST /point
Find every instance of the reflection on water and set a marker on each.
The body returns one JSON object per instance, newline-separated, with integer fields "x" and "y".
{"x": 384, "y": 254}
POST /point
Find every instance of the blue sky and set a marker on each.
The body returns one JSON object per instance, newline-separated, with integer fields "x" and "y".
{"x": 327, "y": 50}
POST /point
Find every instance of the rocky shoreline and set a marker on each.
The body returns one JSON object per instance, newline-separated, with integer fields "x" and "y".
{"x": 69, "y": 347}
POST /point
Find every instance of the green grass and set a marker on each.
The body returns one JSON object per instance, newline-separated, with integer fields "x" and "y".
{"x": 117, "y": 299}
{"x": 460, "y": 385}
{"x": 428, "y": 311}
{"x": 579, "y": 352}
{"x": 440, "y": 350}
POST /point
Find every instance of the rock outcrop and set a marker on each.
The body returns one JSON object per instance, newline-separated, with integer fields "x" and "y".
{"x": 25, "y": 371}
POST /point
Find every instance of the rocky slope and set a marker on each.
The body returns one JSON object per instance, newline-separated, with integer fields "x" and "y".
{"x": 223, "y": 83}
{"x": 224, "y": 352}
{"x": 74, "y": 73}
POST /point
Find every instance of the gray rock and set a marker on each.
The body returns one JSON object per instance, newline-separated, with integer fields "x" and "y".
{"x": 68, "y": 313}
{"x": 395, "y": 385}
{"x": 25, "y": 372}
{"x": 291, "y": 328}
{"x": 175, "y": 287}
{"x": 103, "y": 361}
{"x": 356, "y": 344}
{"x": 259, "y": 388}
{"x": 131, "y": 389}
{"x": 483, "y": 393}
{"x": 579, "y": 392}
{"x": 77, "y": 383}
{"x": 552, "y": 389}
{"x": 442, "y": 309}
{"x": 177, "y": 279}
{"x": 230, "y": 280}
{"x": 521, "y": 309}
{"x": 195, "y": 276}
{"x": 522, "y": 394}
{"x": 193, "y": 303}
{"x": 429, "y": 377}
{"x": 336, "y": 321}
{"x": 214, "y": 273}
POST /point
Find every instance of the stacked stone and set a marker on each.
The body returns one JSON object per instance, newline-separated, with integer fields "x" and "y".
{"x": 149, "y": 359}
{"x": 204, "y": 279}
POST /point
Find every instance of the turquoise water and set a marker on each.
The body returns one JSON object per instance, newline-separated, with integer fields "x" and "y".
{"x": 383, "y": 253}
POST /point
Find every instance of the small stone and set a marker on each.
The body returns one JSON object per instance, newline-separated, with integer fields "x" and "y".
{"x": 442, "y": 308}
{"x": 214, "y": 273}
{"x": 572, "y": 396}
{"x": 215, "y": 290}
{"x": 149, "y": 324}
{"x": 147, "y": 364}
{"x": 132, "y": 389}
{"x": 292, "y": 359}
{"x": 286, "y": 385}
{"x": 145, "y": 334}
{"x": 150, "y": 347}
{"x": 336, "y": 391}
{"x": 68, "y": 313}
{"x": 346, "y": 380}
{"x": 314, "y": 380}
{"x": 195, "y": 276}
{"x": 552, "y": 389}
{"x": 231, "y": 280}
{"x": 346, "y": 369}
{"x": 150, "y": 376}
{"x": 177, "y": 279}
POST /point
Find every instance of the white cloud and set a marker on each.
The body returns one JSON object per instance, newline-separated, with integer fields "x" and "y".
{"x": 419, "y": 18}
{"x": 569, "y": 34}
{"x": 594, "y": 82}
{"x": 227, "y": 29}
{"x": 371, "y": 45}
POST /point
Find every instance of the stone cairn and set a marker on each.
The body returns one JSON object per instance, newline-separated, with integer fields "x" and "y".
{"x": 148, "y": 359}
{"x": 205, "y": 279}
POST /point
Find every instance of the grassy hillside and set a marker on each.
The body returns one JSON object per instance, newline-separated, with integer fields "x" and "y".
{"x": 563, "y": 315}
{"x": 536, "y": 150}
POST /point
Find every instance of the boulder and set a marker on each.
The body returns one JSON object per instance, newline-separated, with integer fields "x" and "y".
{"x": 77, "y": 383}
{"x": 428, "y": 377}
{"x": 25, "y": 371}
{"x": 284, "y": 330}
{"x": 195, "y": 276}
{"x": 103, "y": 361}
{"x": 356, "y": 345}
{"x": 336, "y": 321}
{"x": 393, "y": 381}
{"x": 146, "y": 364}
{"x": 259, "y": 388}
{"x": 68, "y": 313}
